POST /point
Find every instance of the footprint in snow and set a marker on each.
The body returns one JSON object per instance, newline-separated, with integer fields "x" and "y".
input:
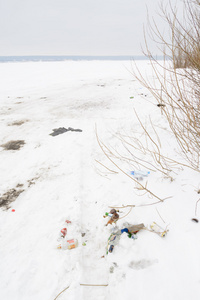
{"x": 142, "y": 264}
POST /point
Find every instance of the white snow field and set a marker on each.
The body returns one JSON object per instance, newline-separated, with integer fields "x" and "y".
{"x": 66, "y": 177}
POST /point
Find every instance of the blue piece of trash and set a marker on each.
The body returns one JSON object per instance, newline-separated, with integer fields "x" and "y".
{"x": 111, "y": 248}
{"x": 140, "y": 173}
{"x": 124, "y": 230}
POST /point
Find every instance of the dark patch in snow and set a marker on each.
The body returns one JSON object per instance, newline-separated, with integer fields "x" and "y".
{"x": 18, "y": 123}
{"x": 61, "y": 130}
{"x": 19, "y": 185}
{"x": 13, "y": 145}
{"x": 32, "y": 181}
{"x": 8, "y": 197}
{"x": 142, "y": 264}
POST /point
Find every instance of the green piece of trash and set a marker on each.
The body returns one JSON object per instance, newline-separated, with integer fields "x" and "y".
{"x": 131, "y": 97}
{"x": 84, "y": 244}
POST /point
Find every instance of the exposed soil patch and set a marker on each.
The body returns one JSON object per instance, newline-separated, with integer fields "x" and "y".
{"x": 19, "y": 185}
{"x": 32, "y": 181}
{"x": 18, "y": 123}
{"x": 7, "y": 198}
{"x": 13, "y": 145}
{"x": 61, "y": 130}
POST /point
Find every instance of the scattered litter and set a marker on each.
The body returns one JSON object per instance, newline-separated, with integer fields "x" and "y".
{"x": 71, "y": 244}
{"x": 61, "y": 130}
{"x": 63, "y": 232}
{"x": 13, "y": 210}
{"x": 113, "y": 216}
{"x": 139, "y": 175}
{"x": 131, "y": 97}
{"x": 84, "y": 244}
{"x": 68, "y": 244}
{"x": 64, "y": 242}
{"x": 133, "y": 229}
{"x": 114, "y": 238}
{"x": 158, "y": 229}
{"x": 112, "y": 241}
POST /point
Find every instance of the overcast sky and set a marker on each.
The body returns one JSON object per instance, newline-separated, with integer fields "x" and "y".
{"x": 76, "y": 27}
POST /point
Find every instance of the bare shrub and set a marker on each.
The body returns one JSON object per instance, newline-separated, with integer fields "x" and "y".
{"x": 176, "y": 89}
{"x": 178, "y": 78}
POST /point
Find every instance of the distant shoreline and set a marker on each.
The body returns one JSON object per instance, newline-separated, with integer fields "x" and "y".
{"x": 4, "y": 59}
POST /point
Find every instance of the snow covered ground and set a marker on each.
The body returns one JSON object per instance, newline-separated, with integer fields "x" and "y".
{"x": 63, "y": 177}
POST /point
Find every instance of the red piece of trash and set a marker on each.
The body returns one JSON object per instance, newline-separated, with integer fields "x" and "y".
{"x": 13, "y": 210}
{"x": 68, "y": 222}
{"x": 64, "y": 231}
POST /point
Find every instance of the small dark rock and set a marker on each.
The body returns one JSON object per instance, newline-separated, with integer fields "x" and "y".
{"x": 161, "y": 105}
{"x": 195, "y": 220}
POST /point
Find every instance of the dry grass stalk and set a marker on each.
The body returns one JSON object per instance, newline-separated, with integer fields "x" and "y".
{"x": 111, "y": 171}
{"x": 196, "y": 207}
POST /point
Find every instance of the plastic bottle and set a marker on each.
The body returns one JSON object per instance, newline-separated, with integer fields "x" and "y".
{"x": 142, "y": 173}
{"x": 111, "y": 248}
{"x": 64, "y": 232}
{"x": 108, "y": 214}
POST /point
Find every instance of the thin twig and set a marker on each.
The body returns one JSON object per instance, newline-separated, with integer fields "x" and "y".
{"x": 196, "y": 207}
{"x": 121, "y": 206}
{"x": 61, "y": 292}
{"x": 160, "y": 215}
{"x": 106, "y": 167}
{"x": 126, "y": 214}
{"x": 85, "y": 284}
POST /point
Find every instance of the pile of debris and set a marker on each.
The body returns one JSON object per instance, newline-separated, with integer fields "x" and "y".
{"x": 130, "y": 229}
